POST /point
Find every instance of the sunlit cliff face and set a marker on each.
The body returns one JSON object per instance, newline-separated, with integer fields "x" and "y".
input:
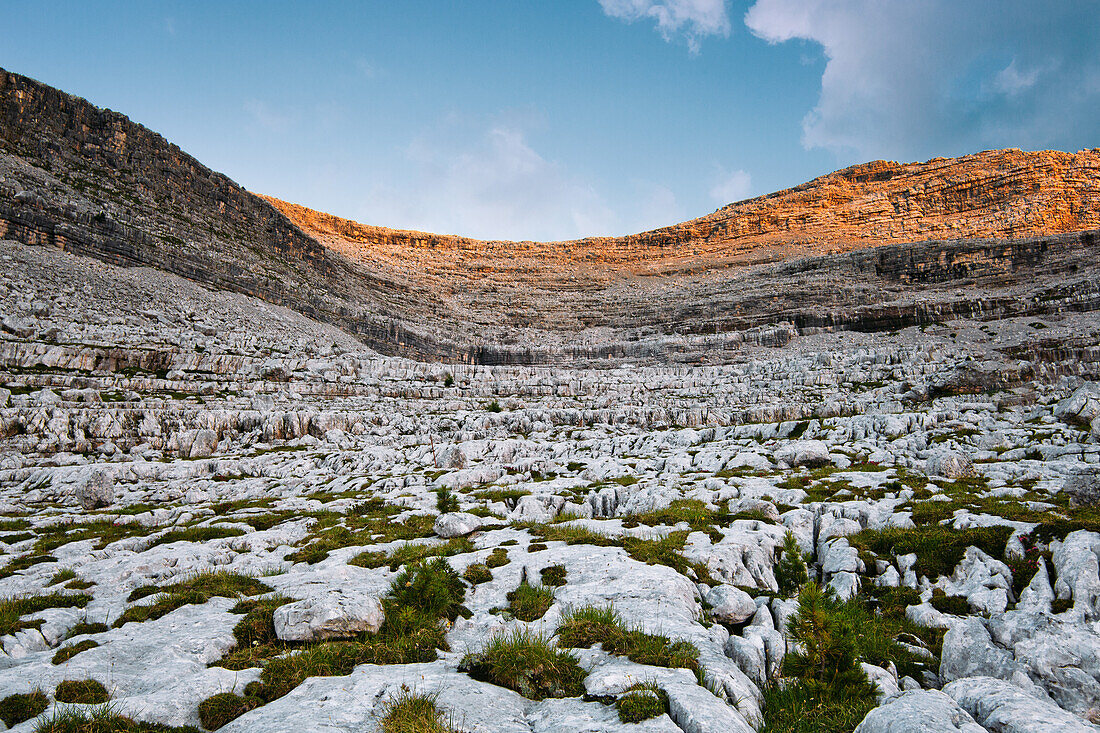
{"x": 999, "y": 194}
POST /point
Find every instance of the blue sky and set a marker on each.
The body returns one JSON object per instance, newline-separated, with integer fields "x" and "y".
{"x": 551, "y": 119}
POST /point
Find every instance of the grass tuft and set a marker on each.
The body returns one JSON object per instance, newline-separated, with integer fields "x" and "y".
{"x": 13, "y": 609}
{"x": 195, "y": 590}
{"x": 66, "y": 653}
{"x": 216, "y": 711}
{"x": 15, "y": 709}
{"x": 527, "y": 663}
{"x": 641, "y": 702}
{"x": 409, "y": 712}
{"x": 590, "y": 625}
{"x": 530, "y": 602}
{"x": 553, "y": 575}
{"x": 81, "y": 692}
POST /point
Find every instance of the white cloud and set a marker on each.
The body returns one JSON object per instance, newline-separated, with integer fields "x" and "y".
{"x": 487, "y": 182}
{"x": 693, "y": 19}
{"x": 267, "y": 117}
{"x": 731, "y": 186}
{"x": 1011, "y": 80}
{"x": 938, "y": 77}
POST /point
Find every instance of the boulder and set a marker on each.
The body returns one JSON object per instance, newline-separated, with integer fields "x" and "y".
{"x": 730, "y": 605}
{"x": 919, "y": 711}
{"x": 334, "y": 615}
{"x": 1081, "y": 407}
{"x": 204, "y": 444}
{"x": 96, "y": 490}
{"x": 1083, "y": 487}
{"x": 456, "y": 524}
{"x": 950, "y": 465}
{"x": 803, "y": 453}
{"x": 1003, "y": 707}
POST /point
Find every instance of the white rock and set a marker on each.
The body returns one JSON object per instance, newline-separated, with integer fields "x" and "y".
{"x": 1005, "y": 708}
{"x": 919, "y": 711}
{"x": 456, "y": 524}
{"x": 333, "y": 615}
{"x": 803, "y": 453}
{"x": 97, "y": 490}
{"x": 950, "y": 465}
{"x": 730, "y": 605}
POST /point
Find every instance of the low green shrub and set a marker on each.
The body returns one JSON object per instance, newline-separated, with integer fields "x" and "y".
{"x": 590, "y": 625}
{"x": 803, "y": 706}
{"x": 530, "y": 602}
{"x": 409, "y": 712}
{"x": 195, "y": 590}
{"x": 477, "y": 573}
{"x": 939, "y": 549}
{"x": 255, "y": 633}
{"x": 66, "y": 653}
{"x": 420, "y": 598}
{"x": 641, "y": 702}
{"x": 83, "y": 692}
{"x": 527, "y": 663}
{"x": 497, "y": 558}
{"x": 955, "y": 605}
{"x": 197, "y": 534}
{"x": 412, "y": 553}
{"x": 17, "y": 708}
{"x": 553, "y": 575}
{"x": 216, "y": 711}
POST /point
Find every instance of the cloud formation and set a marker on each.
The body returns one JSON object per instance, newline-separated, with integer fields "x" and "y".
{"x": 690, "y": 19}
{"x": 487, "y": 182}
{"x": 938, "y": 77}
{"x": 731, "y": 186}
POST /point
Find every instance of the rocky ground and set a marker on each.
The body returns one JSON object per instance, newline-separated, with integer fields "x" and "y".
{"x": 228, "y": 515}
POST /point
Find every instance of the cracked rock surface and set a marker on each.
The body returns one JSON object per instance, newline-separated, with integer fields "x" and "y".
{"x": 181, "y": 466}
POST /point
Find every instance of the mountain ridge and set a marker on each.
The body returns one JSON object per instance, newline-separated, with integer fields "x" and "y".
{"x": 757, "y": 271}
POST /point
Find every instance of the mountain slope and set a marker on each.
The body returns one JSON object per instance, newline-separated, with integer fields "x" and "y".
{"x": 1015, "y": 235}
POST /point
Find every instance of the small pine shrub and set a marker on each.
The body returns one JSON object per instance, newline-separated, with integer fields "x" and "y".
{"x": 790, "y": 572}
{"x": 445, "y": 501}
{"x": 432, "y": 587}
{"x": 829, "y": 650}
{"x": 493, "y": 406}
{"x": 527, "y": 663}
{"x": 216, "y": 711}
{"x": 15, "y": 709}
{"x": 84, "y": 692}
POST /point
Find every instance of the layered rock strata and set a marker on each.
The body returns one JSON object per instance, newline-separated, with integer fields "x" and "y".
{"x": 875, "y": 247}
